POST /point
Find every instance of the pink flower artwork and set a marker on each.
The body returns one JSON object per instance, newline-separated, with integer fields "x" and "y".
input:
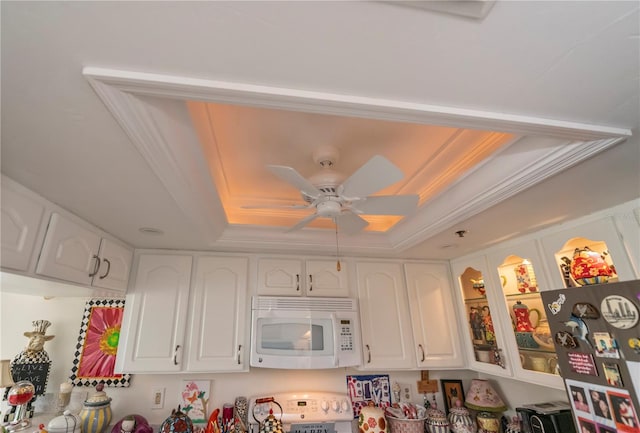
{"x": 101, "y": 343}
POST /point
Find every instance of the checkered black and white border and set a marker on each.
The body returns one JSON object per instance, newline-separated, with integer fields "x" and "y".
{"x": 121, "y": 381}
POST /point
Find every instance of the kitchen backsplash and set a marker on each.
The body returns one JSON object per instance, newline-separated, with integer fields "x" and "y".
{"x": 65, "y": 313}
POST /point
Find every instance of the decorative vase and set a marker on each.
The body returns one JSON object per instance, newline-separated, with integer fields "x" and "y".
{"x": 96, "y": 411}
{"x": 177, "y": 422}
{"x": 460, "y": 419}
{"x": 436, "y": 421}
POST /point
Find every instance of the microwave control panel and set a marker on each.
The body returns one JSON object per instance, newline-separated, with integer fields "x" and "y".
{"x": 346, "y": 335}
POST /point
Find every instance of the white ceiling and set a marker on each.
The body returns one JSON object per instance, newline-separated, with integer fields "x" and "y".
{"x": 94, "y": 115}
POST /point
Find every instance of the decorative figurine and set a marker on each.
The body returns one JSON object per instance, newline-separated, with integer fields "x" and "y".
{"x": 33, "y": 365}
{"x": 460, "y": 419}
{"x": 132, "y": 424}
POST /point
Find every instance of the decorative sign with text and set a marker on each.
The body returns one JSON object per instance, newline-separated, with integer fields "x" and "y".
{"x": 37, "y": 373}
{"x": 582, "y": 363}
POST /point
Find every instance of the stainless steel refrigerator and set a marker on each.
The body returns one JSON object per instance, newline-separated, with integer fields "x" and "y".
{"x": 596, "y": 330}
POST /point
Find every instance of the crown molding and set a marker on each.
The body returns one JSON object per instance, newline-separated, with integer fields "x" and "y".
{"x": 185, "y": 88}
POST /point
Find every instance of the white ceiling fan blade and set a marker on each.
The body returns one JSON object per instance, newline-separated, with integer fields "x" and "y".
{"x": 350, "y": 223}
{"x": 376, "y": 174}
{"x": 288, "y": 174}
{"x": 387, "y": 204}
{"x": 276, "y": 206}
{"x": 302, "y": 222}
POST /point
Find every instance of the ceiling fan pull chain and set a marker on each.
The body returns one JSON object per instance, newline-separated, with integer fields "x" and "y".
{"x": 337, "y": 247}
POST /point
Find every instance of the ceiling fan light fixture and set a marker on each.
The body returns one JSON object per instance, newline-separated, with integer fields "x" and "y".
{"x": 329, "y": 208}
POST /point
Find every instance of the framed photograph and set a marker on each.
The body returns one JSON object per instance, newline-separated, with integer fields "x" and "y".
{"x": 451, "y": 392}
{"x": 95, "y": 355}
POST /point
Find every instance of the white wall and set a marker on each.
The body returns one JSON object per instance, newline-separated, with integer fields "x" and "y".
{"x": 17, "y": 311}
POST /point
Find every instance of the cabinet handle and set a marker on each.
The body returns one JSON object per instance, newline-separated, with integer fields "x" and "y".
{"x": 175, "y": 355}
{"x": 421, "y": 351}
{"x": 298, "y": 282}
{"x": 310, "y": 282}
{"x": 108, "y": 268}
{"x": 239, "y": 347}
{"x": 96, "y": 266}
{"x": 369, "y": 354}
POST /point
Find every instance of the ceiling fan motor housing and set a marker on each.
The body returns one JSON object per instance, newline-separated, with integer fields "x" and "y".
{"x": 329, "y": 208}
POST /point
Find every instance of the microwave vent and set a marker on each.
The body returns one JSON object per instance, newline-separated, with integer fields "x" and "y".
{"x": 311, "y": 304}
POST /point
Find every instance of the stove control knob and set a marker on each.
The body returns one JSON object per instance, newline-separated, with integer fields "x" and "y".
{"x": 335, "y": 406}
{"x": 324, "y": 406}
{"x": 345, "y": 405}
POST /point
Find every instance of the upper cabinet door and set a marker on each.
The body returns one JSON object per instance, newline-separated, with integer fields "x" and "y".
{"x": 218, "y": 337}
{"x": 435, "y": 328}
{"x": 326, "y": 278}
{"x": 70, "y": 251}
{"x": 600, "y": 237}
{"x": 115, "y": 263}
{"x": 20, "y": 219}
{"x": 280, "y": 277}
{"x": 384, "y": 315}
{"x": 155, "y": 316}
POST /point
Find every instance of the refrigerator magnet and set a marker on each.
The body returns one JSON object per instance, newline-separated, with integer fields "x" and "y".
{"x": 612, "y": 374}
{"x": 634, "y": 344}
{"x": 579, "y": 329}
{"x": 605, "y": 345}
{"x": 582, "y": 363}
{"x": 584, "y": 310}
{"x": 619, "y": 312}
{"x": 566, "y": 340}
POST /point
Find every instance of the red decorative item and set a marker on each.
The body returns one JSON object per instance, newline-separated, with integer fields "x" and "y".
{"x": 590, "y": 267}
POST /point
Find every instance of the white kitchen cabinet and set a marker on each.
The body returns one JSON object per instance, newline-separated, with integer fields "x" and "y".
{"x": 74, "y": 252}
{"x": 155, "y": 316}
{"x": 21, "y": 217}
{"x": 175, "y": 324}
{"x": 218, "y": 315}
{"x": 481, "y": 301}
{"x": 387, "y": 341}
{"x": 298, "y": 277}
{"x": 529, "y": 343}
{"x": 435, "y": 327}
{"x": 600, "y": 235}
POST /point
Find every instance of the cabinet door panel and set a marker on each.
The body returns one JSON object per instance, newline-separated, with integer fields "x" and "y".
{"x": 385, "y": 324}
{"x": 219, "y": 303}
{"x": 433, "y": 316}
{"x": 155, "y": 315}
{"x": 69, "y": 251}
{"x": 115, "y": 265}
{"x": 20, "y": 220}
{"x": 324, "y": 279}
{"x": 280, "y": 277}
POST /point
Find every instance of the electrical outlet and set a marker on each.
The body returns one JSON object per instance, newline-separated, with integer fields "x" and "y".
{"x": 406, "y": 393}
{"x": 157, "y": 398}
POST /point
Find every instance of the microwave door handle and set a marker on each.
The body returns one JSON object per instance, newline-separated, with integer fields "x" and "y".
{"x": 334, "y": 323}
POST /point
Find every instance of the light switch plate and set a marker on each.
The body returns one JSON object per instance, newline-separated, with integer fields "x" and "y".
{"x": 157, "y": 397}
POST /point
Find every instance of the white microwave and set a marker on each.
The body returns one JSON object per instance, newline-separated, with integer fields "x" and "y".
{"x": 304, "y": 333}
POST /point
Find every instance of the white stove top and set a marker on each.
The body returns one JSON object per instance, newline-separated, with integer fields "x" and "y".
{"x": 303, "y": 407}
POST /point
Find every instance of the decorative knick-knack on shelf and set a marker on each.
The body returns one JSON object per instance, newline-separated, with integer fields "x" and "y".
{"x": 96, "y": 411}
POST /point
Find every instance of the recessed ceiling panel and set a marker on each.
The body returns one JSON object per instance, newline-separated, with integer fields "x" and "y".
{"x": 240, "y": 141}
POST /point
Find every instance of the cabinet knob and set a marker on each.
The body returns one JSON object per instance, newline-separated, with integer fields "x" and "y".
{"x": 239, "y": 348}
{"x": 310, "y": 282}
{"x": 297, "y": 282}
{"x": 369, "y": 354}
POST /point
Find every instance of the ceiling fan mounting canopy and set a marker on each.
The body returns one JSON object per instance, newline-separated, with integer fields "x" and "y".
{"x": 344, "y": 200}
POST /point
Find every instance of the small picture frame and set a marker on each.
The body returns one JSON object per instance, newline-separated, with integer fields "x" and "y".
{"x": 451, "y": 392}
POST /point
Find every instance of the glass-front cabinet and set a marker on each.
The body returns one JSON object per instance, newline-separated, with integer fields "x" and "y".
{"x": 478, "y": 307}
{"x": 522, "y": 277}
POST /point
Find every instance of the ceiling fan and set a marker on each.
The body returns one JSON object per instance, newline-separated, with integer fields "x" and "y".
{"x": 344, "y": 200}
